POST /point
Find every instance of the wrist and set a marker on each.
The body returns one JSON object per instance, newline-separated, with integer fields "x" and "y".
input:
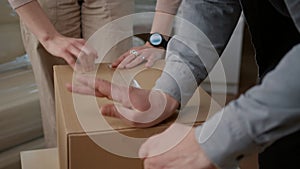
{"x": 48, "y": 37}
{"x": 148, "y": 45}
{"x": 157, "y": 40}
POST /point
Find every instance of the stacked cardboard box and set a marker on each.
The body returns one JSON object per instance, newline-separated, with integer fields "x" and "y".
{"x": 20, "y": 119}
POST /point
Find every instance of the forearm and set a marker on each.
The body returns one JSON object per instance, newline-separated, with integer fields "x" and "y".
{"x": 162, "y": 23}
{"x": 37, "y": 22}
{"x": 164, "y": 16}
{"x": 263, "y": 115}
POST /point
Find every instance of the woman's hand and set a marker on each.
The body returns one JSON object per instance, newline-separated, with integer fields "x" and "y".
{"x": 146, "y": 53}
{"x": 73, "y": 50}
{"x": 70, "y": 49}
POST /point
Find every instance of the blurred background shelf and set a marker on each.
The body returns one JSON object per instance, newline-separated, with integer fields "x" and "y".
{"x": 20, "y": 119}
{"x": 10, "y": 159}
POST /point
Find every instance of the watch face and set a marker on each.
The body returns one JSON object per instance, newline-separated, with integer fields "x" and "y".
{"x": 155, "y": 39}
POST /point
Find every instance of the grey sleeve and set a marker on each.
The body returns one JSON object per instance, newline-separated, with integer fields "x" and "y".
{"x": 204, "y": 28}
{"x": 264, "y": 114}
{"x": 294, "y": 8}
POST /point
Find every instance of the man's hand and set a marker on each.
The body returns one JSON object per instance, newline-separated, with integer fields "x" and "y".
{"x": 138, "y": 107}
{"x": 176, "y": 148}
{"x": 73, "y": 50}
{"x": 146, "y": 53}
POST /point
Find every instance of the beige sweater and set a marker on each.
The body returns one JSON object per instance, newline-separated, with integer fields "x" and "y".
{"x": 167, "y": 6}
{"x": 17, "y": 3}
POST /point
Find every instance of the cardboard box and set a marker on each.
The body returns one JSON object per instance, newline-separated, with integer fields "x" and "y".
{"x": 78, "y": 144}
{"x": 40, "y": 159}
{"x": 19, "y": 108}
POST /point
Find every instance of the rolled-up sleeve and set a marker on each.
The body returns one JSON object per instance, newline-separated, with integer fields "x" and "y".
{"x": 18, "y": 3}
{"x": 264, "y": 114}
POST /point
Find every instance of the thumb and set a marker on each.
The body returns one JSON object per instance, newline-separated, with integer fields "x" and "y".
{"x": 110, "y": 110}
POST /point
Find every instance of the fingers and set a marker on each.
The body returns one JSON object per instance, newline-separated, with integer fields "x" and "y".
{"x": 110, "y": 110}
{"x": 72, "y": 53}
{"x": 90, "y": 86}
{"x": 116, "y": 63}
{"x": 102, "y": 87}
{"x": 80, "y": 89}
{"x": 150, "y": 54}
{"x": 127, "y": 60}
{"x": 72, "y": 49}
{"x": 76, "y": 53}
{"x": 151, "y": 60}
{"x": 138, "y": 60}
{"x": 133, "y": 116}
{"x": 81, "y": 41}
{"x": 86, "y": 57}
{"x": 129, "y": 116}
{"x": 69, "y": 58}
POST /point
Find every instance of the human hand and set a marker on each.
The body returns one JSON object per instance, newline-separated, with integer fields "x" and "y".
{"x": 175, "y": 148}
{"x": 138, "y": 107}
{"x": 73, "y": 50}
{"x": 146, "y": 53}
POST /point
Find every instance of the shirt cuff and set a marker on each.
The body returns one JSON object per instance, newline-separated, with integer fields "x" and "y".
{"x": 224, "y": 139}
{"x": 178, "y": 84}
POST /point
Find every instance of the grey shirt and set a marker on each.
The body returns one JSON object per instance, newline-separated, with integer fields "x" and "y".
{"x": 264, "y": 114}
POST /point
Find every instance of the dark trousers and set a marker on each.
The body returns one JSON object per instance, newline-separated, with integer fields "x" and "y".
{"x": 283, "y": 154}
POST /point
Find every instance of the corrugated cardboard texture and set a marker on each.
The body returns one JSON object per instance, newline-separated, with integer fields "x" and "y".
{"x": 77, "y": 150}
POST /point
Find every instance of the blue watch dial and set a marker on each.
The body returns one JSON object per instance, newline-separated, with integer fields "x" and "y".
{"x": 155, "y": 39}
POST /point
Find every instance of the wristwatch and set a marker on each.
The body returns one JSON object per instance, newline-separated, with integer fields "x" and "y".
{"x": 157, "y": 40}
